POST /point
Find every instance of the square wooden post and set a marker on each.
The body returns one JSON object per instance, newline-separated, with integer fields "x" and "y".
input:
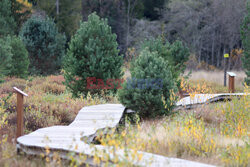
{"x": 226, "y": 57}
{"x": 231, "y": 86}
{"x": 20, "y": 94}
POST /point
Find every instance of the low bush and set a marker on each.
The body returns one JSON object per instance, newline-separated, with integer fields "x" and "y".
{"x": 53, "y": 88}
{"x": 149, "y": 100}
{"x": 7, "y": 86}
{"x": 35, "y": 119}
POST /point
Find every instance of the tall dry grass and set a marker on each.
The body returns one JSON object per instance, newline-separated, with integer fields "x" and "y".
{"x": 216, "y": 134}
{"x": 217, "y": 77}
{"x": 210, "y": 134}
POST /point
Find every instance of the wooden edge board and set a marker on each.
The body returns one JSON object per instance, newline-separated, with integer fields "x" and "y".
{"x": 19, "y": 91}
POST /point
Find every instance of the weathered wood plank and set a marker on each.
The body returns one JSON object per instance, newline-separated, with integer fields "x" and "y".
{"x": 198, "y": 99}
{"x": 67, "y": 139}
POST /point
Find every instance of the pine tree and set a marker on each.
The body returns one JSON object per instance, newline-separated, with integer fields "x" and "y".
{"x": 175, "y": 54}
{"x": 245, "y": 35}
{"x": 151, "y": 85}
{"x": 46, "y": 46}
{"x": 6, "y": 19}
{"x": 20, "y": 58}
{"x": 5, "y": 57}
{"x": 92, "y": 53}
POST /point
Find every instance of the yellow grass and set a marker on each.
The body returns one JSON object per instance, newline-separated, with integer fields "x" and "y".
{"x": 217, "y": 77}
{"x": 214, "y": 134}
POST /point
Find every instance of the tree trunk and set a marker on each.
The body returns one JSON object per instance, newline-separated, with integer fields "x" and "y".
{"x": 57, "y": 7}
{"x": 128, "y": 23}
{"x": 219, "y": 53}
{"x": 82, "y": 11}
{"x": 207, "y": 57}
{"x": 213, "y": 49}
{"x": 199, "y": 59}
{"x": 229, "y": 59}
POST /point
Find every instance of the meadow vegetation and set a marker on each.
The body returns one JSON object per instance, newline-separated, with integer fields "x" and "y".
{"x": 36, "y": 57}
{"x": 48, "y": 104}
{"x": 214, "y": 134}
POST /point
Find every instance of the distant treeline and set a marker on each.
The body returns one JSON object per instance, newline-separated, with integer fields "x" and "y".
{"x": 209, "y": 28}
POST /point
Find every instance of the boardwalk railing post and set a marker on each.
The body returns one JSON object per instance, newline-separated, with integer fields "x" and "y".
{"x": 20, "y": 94}
{"x": 231, "y": 87}
{"x": 226, "y": 57}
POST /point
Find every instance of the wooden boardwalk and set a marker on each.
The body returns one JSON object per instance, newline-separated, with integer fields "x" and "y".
{"x": 199, "y": 99}
{"x": 65, "y": 139}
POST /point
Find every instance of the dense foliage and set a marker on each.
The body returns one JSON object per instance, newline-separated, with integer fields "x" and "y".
{"x": 46, "y": 46}
{"x": 149, "y": 101}
{"x": 207, "y": 27}
{"x": 20, "y": 10}
{"x": 14, "y": 57}
{"x": 5, "y": 57}
{"x": 67, "y": 14}
{"x": 7, "y": 21}
{"x": 20, "y": 58}
{"x": 152, "y": 8}
{"x": 245, "y": 34}
{"x": 92, "y": 53}
{"x": 175, "y": 54}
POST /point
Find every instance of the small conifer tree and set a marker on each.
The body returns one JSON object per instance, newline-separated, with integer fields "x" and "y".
{"x": 20, "y": 58}
{"x": 5, "y": 57}
{"x": 46, "y": 46}
{"x": 176, "y": 54}
{"x": 93, "y": 52}
{"x": 7, "y": 22}
{"x": 149, "y": 90}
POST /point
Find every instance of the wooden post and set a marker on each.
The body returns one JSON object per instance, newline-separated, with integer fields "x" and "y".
{"x": 226, "y": 56}
{"x": 231, "y": 87}
{"x": 20, "y": 94}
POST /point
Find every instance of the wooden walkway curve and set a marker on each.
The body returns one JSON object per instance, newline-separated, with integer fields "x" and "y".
{"x": 65, "y": 139}
{"x": 200, "y": 99}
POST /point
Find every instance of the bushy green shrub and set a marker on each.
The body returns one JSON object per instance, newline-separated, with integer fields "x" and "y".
{"x": 149, "y": 101}
{"x": 92, "y": 53}
{"x": 176, "y": 54}
{"x": 5, "y": 58}
{"x": 20, "y": 58}
{"x": 46, "y": 46}
{"x": 7, "y": 21}
{"x": 245, "y": 35}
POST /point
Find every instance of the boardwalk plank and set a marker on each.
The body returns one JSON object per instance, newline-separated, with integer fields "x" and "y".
{"x": 67, "y": 139}
{"x": 198, "y": 99}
